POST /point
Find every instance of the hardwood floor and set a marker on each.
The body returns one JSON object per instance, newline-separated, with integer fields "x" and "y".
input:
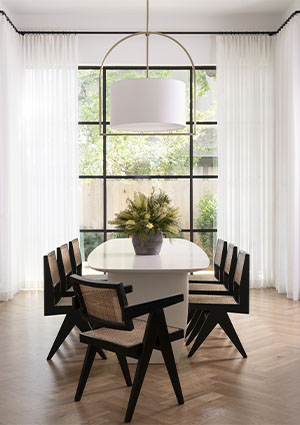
{"x": 219, "y": 386}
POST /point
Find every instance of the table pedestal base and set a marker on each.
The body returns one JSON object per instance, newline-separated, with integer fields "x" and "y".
{"x": 151, "y": 285}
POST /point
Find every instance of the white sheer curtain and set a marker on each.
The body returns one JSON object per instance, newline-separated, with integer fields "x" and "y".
{"x": 38, "y": 153}
{"x": 246, "y": 150}
{"x": 287, "y": 121}
{"x": 50, "y": 140}
{"x": 11, "y": 164}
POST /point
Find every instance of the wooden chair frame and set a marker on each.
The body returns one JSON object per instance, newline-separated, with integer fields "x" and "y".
{"x": 207, "y": 316}
{"x": 228, "y": 276}
{"x": 156, "y": 337}
{"x": 66, "y": 286}
{"x": 218, "y": 268}
{"x": 52, "y": 299}
{"x": 76, "y": 267}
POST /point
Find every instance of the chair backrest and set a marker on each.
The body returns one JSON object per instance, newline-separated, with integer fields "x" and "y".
{"x": 75, "y": 256}
{"x": 64, "y": 266}
{"x": 52, "y": 283}
{"x": 220, "y": 257}
{"x": 229, "y": 267}
{"x": 241, "y": 281}
{"x": 101, "y": 303}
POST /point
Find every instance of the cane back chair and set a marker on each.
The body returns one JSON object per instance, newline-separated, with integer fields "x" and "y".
{"x": 223, "y": 288}
{"x": 76, "y": 261}
{"x": 105, "y": 305}
{"x": 65, "y": 270}
{"x": 214, "y": 309}
{"x": 55, "y": 303}
{"x": 219, "y": 262}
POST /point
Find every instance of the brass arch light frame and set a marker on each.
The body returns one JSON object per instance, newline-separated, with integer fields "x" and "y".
{"x": 161, "y": 133}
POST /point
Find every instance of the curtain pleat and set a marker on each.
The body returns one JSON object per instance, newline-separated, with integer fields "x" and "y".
{"x": 38, "y": 153}
{"x": 287, "y": 132}
{"x": 246, "y": 211}
{"x": 50, "y": 134}
{"x": 11, "y": 161}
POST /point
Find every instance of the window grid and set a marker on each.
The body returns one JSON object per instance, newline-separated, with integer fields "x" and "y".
{"x": 104, "y": 176}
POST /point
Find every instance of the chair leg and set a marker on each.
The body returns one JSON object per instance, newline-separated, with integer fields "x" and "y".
{"x": 125, "y": 369}
{"x": 150, "y": 337}
{"x": 66, "y": 327}
{"x": 190, "y": 314}
{"x": 168, "y": 355}
{"x": 197, "y": 327}
{"x": 228, "y": 328}
{"x": 86, "y": 368}
{"x": 192, "y": 323}
{"x": 206, "y": 329}
{"x": 102, "y": 354}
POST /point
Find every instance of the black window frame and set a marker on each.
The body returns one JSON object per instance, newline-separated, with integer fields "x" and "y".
{"x": 104, "y": 177}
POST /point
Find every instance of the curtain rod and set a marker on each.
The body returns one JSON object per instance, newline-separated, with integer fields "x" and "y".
{"x": 270, "y": 33}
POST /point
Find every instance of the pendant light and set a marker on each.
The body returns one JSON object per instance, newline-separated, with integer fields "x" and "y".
{"x": 147, "y": 106}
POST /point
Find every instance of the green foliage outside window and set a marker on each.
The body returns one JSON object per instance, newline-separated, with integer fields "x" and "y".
{"x": 149, "y": 155}
{"x": 127, "y": 155}
{"x": 207, "y": 219}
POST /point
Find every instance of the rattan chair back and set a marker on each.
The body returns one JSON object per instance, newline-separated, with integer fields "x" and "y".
{"x": 52, "y": 283}
{"x": 75, "y": 255}
{"x": 229, "y": 268}
{"x": 101, "y": 303}
{"x": 219, "y": 259}
{"x": 64, "y": 266}
{"x": 241, "y": 281}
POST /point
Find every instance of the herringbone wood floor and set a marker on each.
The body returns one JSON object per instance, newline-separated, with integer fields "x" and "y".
{"x": 218, "y": 385}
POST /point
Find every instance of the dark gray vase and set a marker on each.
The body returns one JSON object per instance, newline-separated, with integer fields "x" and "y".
{"x": 152, "y": 245}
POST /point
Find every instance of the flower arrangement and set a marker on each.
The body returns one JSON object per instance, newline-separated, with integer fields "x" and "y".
{"x": 147, "y": 216}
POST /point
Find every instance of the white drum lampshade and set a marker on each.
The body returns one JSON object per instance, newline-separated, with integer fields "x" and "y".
{"x": 147, "y": 104}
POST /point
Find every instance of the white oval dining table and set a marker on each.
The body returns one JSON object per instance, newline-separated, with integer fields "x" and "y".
{"x": 153, "y": 276}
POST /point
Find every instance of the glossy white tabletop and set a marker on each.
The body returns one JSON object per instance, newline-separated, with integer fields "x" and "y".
{"x": 175, "y": 255}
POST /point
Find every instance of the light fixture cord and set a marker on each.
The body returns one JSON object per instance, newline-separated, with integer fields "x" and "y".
{"x": 147, "y": 38}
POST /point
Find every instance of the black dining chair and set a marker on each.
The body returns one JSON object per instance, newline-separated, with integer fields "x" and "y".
{"x": 76, "y": 261}
{"x": 219, "y": 262}
{"x": 105, "y": 305}
{"x": 55, "y": 303}
{"x": 208, "y": 278}
{"x": 223, "y": 288}
{"x": 65, "y": 270}
{"x": 225, "y": 285}
{"x": 214, "y": 309}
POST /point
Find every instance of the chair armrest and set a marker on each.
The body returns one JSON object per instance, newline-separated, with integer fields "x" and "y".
{"x": 137, "y": 310}
{"x": 128, "y": 289}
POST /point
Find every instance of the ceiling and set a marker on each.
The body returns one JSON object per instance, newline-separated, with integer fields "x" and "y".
{"x": 177, "y": 15}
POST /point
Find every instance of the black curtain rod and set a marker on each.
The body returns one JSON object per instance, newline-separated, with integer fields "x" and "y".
{"x": 270, "y": 33}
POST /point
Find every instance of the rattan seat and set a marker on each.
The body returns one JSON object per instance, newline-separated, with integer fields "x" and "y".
{"x": 212, "y": 299}
{"x": 205, "y": 277}
{"x": 64, "y": 302}
{"x": 207, "y": 287}
{"x": 125, "y": 338}
{"x": 95, "y": 276}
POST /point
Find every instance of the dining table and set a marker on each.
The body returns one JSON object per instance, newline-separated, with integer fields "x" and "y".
{"x": 153, "y": 276}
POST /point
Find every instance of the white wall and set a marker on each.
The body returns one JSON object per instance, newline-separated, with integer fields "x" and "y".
{"x": 92, "y": 49}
